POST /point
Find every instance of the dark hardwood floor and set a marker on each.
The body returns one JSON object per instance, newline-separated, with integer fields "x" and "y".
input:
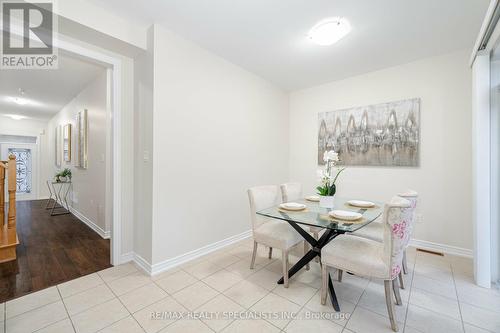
{"x": 52, "y": 249}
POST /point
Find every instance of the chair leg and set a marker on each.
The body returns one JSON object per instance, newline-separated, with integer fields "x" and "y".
{"x": 405, "y": 264}
{"x": 340, "y": 275}
{"x": 324, "y": 283}
{"x": 284, "y": 254}
{"x": 397, "y": 294}
{"x": 252, "y": 263}
{"x": 390, "y": 304}
{"x": 306, "y": 249}
{"x": 401, "y": 280}
{"x": 316, "y": 237}
{"x": 270, "y": 253}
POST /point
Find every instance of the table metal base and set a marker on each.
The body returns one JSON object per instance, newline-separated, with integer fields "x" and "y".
{"x": 59, "y": 197}
{"x": 316, "y": 245}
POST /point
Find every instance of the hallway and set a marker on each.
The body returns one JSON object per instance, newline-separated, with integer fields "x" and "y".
{"x": 52, "y": 250}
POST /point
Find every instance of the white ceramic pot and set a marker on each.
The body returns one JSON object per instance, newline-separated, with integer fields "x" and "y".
{"x": 63, "y": 179}
{"x": 326, "y": 201}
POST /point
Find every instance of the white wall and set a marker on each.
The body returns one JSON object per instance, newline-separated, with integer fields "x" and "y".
{"x": 89, "y": 185}
{"x": 143, "y": 145}
{"x": 444, "y": 177}
{"x": 217, "y": 130}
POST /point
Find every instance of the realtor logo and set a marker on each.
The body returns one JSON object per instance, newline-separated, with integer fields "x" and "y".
{"x": 28, "y": 35}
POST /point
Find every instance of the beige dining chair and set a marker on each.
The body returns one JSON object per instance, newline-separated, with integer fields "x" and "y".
{"x": 375, "y": 230}
{"x": 292, "y": 192}
{"x": 372, "y": 259}
{"x": 271, "y": 232}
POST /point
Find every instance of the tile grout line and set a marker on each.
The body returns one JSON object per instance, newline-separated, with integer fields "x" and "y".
{"x": 302, "y": 307}
{"x": 244, "y": 279}
{"x": 126, "y": 309}
{"x": 409, "y": 293}
{"x": 458, "y": 299}
{"x": 355, "y": 306}
{"x": 33, "y": 309}
{"x": 65, "y": 308}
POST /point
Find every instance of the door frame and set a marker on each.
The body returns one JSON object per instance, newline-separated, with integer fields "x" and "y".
{"x": 114, "y": 144}
{"x": 114, "y": 185}
{"x": 35, "y": 175}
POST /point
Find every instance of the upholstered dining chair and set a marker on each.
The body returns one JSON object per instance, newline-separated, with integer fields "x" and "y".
{"x": 372, "y": 259}
{"x": 291, "y": 192}
{"x": 375, "y": 230}
{"x": 270, "y": 232}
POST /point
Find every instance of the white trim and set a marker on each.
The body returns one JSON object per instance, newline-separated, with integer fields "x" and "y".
{"x": 481, "y": 168}
{"x": 104, "y": 234}
{"x": 482, "y": 31}
{"x": 143, "y": 264}
{"x": 436, "y": 247}
{"x": 115, "y": 185}
{"x": 127, "y": 257}
{"x": 183, "y": 258}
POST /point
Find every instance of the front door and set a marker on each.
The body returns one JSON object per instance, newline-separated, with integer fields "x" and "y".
{"x": 26, "y": 165}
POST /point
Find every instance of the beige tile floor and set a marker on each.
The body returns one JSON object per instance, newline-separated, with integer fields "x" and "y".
{"x": 440, "y": 297}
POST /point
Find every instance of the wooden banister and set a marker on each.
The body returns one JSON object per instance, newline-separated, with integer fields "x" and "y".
{"x": 8, "y": 233}
{"x": 12, "y": 191}
{"x": 3, "y": 167}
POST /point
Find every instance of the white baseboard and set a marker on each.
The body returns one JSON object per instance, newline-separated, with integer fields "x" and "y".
{"x": 183, "y": 258}
{"x": 104, "y": 234}
{"x": 448, "y": 249}
{"x": 143, "y": 264}
{"x": 126, "y": 257}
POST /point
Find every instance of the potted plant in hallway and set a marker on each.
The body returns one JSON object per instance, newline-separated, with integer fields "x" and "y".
{"x": 328, "y": 178}
{"x": 64, "y": 176}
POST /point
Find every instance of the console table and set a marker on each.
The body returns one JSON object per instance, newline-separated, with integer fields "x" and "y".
{"x": 59, "y": 197}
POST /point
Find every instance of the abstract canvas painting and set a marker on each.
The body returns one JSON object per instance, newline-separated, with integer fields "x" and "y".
{"x": 385, "y": 134}
{"x": 67, "y": 143}
{"x": 58, "y": 142}
{"x": 82, "y": 139}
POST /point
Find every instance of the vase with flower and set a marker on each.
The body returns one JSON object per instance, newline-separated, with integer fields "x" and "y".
{"x": 328, "y": 178}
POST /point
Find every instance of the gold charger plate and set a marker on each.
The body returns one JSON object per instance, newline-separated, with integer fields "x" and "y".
{"x": 351, "y": 206}
{"x": 332, "y": 219}
{"x": 292, "y": 211}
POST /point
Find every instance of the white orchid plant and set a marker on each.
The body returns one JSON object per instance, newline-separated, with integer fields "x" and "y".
{"x": 329, "y": 175}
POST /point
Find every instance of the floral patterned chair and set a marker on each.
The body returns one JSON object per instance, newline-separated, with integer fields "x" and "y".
{"x": 375, "y": 230}
{"x": 369, "y": 258}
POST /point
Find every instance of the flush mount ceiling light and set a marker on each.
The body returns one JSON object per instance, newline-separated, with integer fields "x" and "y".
{"x": 18, "y": 100}
{"x": 16, "y": 116}
{"x": 329, "y": 31}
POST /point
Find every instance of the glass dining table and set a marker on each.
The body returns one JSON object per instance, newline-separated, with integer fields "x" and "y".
{"x": 316, "y": 216}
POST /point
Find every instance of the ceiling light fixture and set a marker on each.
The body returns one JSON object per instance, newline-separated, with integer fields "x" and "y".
{"x": 19, "y": 100}
{"x": 16, "y": 116}
{"x": 329, "y": 31}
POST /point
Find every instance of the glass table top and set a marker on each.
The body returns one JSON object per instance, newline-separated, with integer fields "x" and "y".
{"x": 317, "y": 216}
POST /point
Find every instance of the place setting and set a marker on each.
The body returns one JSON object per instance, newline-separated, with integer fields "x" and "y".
{"x": 292, "y": 207}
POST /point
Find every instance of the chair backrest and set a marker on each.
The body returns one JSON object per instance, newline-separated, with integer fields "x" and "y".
{"x": 412, "y": 197}
{"x": 291, "y": 191}
{"x": 262, "y": 197}
{"x": 397, "y": 216}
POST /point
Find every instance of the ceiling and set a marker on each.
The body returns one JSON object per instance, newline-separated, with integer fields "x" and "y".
{"x": 47, "y": 91}
{"x": 267, "y": 37}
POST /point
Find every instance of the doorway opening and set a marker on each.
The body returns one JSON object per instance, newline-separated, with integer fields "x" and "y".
{"x": 66, "y": 124}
